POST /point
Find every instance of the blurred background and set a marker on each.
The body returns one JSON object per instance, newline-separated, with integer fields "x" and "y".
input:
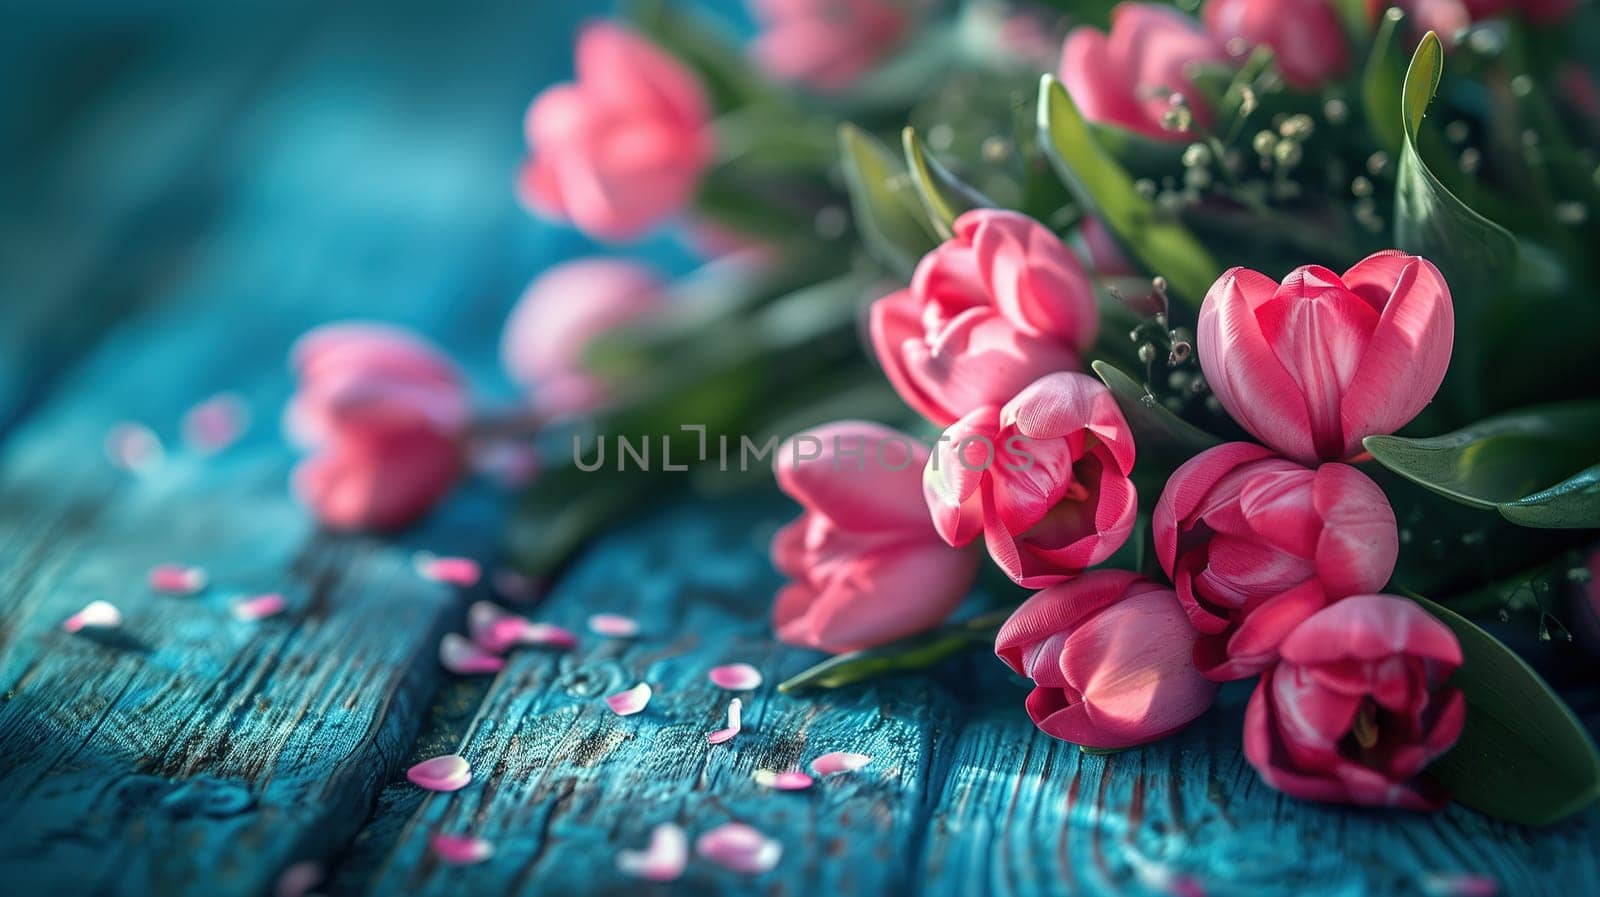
{"x": 167, "y": 159}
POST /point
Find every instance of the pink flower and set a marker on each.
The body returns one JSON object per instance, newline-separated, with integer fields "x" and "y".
{"x": 867, "y": 566}
{"x": 988, "y": 312}
{"x": 1108, "y": 654}
{"x": 1256, "y": 543}
{"x": 1357, "y": 708}
{"x": 622, "y": 147}
{"x": 1128, "y": 78}
{"x": 1045, "y": 478}
{"x": 383, "y": 412}
{"x": 1305, "y": 36}
{"x": 1316, "y": 364}
{"x": 560, "y": 314}
{"x": 827, "y": 44}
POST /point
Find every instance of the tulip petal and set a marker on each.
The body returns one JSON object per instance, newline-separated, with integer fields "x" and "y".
{"x": 839, "y": 761}
{"x": 739, "y": 847}
{"x": 1359, "y": 544}
{"x": 1406, "y": 359}
{"x": 735, "y": 677}
{"x": 1242, "y": 369}
{"x": 448, "y": 772}
{"x": 634, "y": 700}
{"x": 1371, "y": 627}
{"x": 735, "y": 723}
{"x": 1132, "y": 663}
{"x": 864, "y": 477}
{"x": 460, "y": 850}
{"x": 664, "y": 860}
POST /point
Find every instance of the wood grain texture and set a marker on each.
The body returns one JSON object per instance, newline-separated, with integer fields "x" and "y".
{"x": 341, "y": 166}
{"x": 964, "y": 795}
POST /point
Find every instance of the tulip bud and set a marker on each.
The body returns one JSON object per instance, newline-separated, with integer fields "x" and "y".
{"x": 384, "y": 412}
{"x": 1358, "y": 706}
{"x": 1044, "y": 478}
{"x": 1108, "y": 654}
{"x": 560, "y": 314}
{"x": 992, "y": 309}
{"x": 828, "y": 44}
{"x": 1314, "y": 365}
{"x": 1128, "y": 78}
{"x": 1256, "y": 543}
{"x": 1307, "y": 42}
{"x": 622, "y": 147}
{"x": 867, "y": 566}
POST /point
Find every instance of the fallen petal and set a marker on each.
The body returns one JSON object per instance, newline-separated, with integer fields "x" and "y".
{"x": 259, "y": 607}
{"x": 664, "y": 860}
{"x": 460, "y": 850}
{"x": 496, "y": 629}
{"x": 462, "y": 657}
{"x": 839, "y": 761}
{"x": 1445, "y": 884}
{"x": 735, "y": 721}
{"x": 739, "y": 847}
{"x": 297, "y": 880}
{"x": 134, "y": 447}
{"x": 627, "y": 703}
{"x": 613, "y": 626}
{"x": 463, "y": 572}
{"x": 448, "y": 772}
{"x": 736, "y": 677}
{"x": 493, "y": 628}
{"x": 782, "y": 781}
{"x": 216, "y": 423}
{"x": 546, "y": 635}
{"x": 95, "y": 615}
{"x": 176, "y": 579}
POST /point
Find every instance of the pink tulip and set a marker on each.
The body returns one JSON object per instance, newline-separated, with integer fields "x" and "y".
{"x": 828, "y": 44}
{"x": 560, "y": 314}
{"x": 1314, "y": 365}
{"x": 1044, "y": 478}
{"x": 623, "y": 146}
{"x": 1108, "y": 654}
{"x": 1306, "y": 38}
{"x": 384, "y": 413}
{"x": 1128, "y": 78}
{"x": 1256, "y": 543}
{"x": 867, "y": 566}
{"x": 1358, "y": 706}
{"x": 988, "y": 312}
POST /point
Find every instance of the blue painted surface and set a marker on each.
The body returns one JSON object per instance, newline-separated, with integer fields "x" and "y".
{"x": 226, "y": 176}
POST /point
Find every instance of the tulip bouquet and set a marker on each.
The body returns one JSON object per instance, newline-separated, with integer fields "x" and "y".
{"x": 1246, "y": 339}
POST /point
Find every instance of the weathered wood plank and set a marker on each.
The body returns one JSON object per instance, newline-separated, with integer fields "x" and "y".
{"x": 561, "y": 782}
{"x": 1023, "y": 814}
{"x": 964, "y": 796}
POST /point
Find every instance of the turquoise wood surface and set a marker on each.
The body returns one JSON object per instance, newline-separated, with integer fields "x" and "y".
{"x": 222, "y": 179}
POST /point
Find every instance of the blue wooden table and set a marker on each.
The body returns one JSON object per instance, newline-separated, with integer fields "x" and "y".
{"x": 188, "y": 186}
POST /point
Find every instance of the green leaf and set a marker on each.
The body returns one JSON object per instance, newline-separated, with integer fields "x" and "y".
{"x": 943, "y": 195}
{"x": 1522, "y": 756}
{"x": 888, "y": 211}
{"x": 1475, "y": 255}
{"x": 906, "y": 655}
{"x": 1162, "y": 245}
{"x": 1162, "y": 437}
{"x": 1381, "y": 82}
{"x": 1538, "y": 467}
{"x": 1573, "y": 503}
{"x": 1430, "y": 221}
